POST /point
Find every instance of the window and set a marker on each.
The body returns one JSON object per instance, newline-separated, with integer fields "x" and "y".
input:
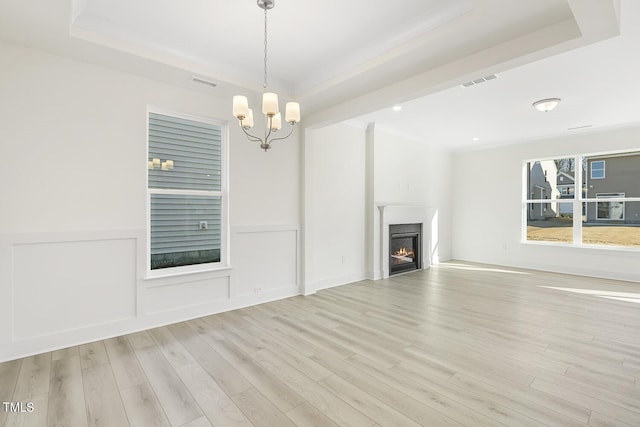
{"x": 594, "y": 210}
{"x": 611, "y": 210}
{"x": 597, "y": 169}
{"x": 186, "y": 192}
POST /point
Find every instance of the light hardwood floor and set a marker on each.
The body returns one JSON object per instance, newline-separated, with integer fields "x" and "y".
{"x": 460, "y": 344}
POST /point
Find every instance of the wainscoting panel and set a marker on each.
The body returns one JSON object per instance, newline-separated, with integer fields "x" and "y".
{"x": 59, "y": 286}
{"x": 265, "y": 258}
{"x": 186, "y": 294}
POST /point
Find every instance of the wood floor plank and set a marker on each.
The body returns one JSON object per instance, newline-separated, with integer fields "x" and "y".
{"x": 298, "y": 360}
{"x": 625, "y": 397}
{"x": 599, "y": 420}
{"x": 612, "y": 410}
{"x": 328, "y": 403}
{"x": 65, "y": 353}
{"x": 365, "y": 403}
{"x": 445, "y": 410}
{"x": 307, "y": 415}
{"x": 301, "y": 344}
{"x": 199, "y": 422}
{"x": 103, "y": 400}
{"x": 265, "y": 382}
{"x": 125, "y": 365}
{"x": 66, "y": 406}
{"x": 177, "y": 402}
{"x": 140, "y": 340}
{"x": 320, "y": 338}
{"x": 34, "y": 377}
{"x": 215, "y": 403}
{"x": 93, "y": 354}
{"x": 524, "y": 393}
{"x": 172, "y": 349}
{"x": 204, "y": 327}
{"x": 520, "y": 403}
{"x": 381, "y": 391}
{"x": 37, "y": 418}
{"x": 9, "y": 372}
{"x": 227, "y": 377}
{"x": 260, "y": 410}
{"x": 142, "y": 407}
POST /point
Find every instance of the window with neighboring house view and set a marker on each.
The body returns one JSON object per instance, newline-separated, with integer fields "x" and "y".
{"x": 186, "y": 192}
{"x": 591, "y": 208}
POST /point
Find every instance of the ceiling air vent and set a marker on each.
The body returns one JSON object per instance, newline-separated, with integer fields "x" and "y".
{"x": 202, "y": 81}
{"x": 480, "y": 80}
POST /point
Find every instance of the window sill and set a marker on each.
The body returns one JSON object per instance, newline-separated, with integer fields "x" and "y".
{"x": 606, "y": 248}
{"x": 150, "y": 276}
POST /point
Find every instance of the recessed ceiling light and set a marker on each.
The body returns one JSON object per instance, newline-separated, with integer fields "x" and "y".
{"x": 397, "y": 107}
{"x": 476, "y": 139}
{"x": 546, "y": 105}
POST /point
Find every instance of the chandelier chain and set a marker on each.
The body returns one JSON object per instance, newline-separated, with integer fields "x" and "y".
{"x": 265, "y": 84}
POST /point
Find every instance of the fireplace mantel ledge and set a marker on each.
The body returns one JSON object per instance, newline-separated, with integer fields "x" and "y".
{"x": 408, "y": 213}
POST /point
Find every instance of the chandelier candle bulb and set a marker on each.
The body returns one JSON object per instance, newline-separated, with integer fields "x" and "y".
{"x": 240, "y": 106}
{"x": 292, "y": 112}
{"x": 276, "y": 122}
{"x": 270, "y": 103}
{"x": 248, "y": 121}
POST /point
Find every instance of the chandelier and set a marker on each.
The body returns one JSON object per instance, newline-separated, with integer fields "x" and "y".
{"x": 270, "y": 107}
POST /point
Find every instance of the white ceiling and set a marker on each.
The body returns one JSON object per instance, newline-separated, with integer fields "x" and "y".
{"x": 354, "y": 59}
{"x": 598, "y": 85}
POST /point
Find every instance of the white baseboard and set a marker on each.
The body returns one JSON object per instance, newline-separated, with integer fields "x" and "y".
{"x": 338, "y": 281}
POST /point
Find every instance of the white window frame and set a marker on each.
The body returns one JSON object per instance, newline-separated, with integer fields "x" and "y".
{"x": 578, "y": 200}
{"x": 223, "y": 194}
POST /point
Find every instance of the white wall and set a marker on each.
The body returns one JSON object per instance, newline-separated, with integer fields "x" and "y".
{"x": 335, "y": 222}
{"x": 487, "y": 210}
{"x": 73, "y": 210}
{"x": 347, "y": 171}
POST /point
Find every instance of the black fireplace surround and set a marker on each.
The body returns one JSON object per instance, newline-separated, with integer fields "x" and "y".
{"x": 405, "y": 244}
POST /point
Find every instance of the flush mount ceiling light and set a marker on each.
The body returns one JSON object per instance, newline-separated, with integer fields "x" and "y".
{"x": 546, "y": 105}
{"x": 270, "y": 107}
{"x": 397, "y": 107}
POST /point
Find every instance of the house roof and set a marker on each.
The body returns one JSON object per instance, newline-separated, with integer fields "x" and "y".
{"x": 569, "y": 179}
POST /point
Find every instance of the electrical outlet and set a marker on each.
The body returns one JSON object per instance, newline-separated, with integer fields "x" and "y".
{"x": 204, "y": 225}
{"x": 257, "y": 290}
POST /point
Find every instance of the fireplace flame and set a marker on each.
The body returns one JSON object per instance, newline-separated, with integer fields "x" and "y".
{"x": 404, "y": 252}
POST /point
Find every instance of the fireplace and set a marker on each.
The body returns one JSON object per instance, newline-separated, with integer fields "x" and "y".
{"x": 405, "y": 243}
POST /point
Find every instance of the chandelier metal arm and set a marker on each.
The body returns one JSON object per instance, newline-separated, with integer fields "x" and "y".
{"x": 268, "y": 134}
{"x": 251, "y": 137}
{"x": 283, "y": 137}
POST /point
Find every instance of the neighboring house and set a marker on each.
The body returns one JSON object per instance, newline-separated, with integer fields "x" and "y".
{"x": 613, "y": 176}
{"x": 566, "y": 185}
{"x": 543, "y": 188}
